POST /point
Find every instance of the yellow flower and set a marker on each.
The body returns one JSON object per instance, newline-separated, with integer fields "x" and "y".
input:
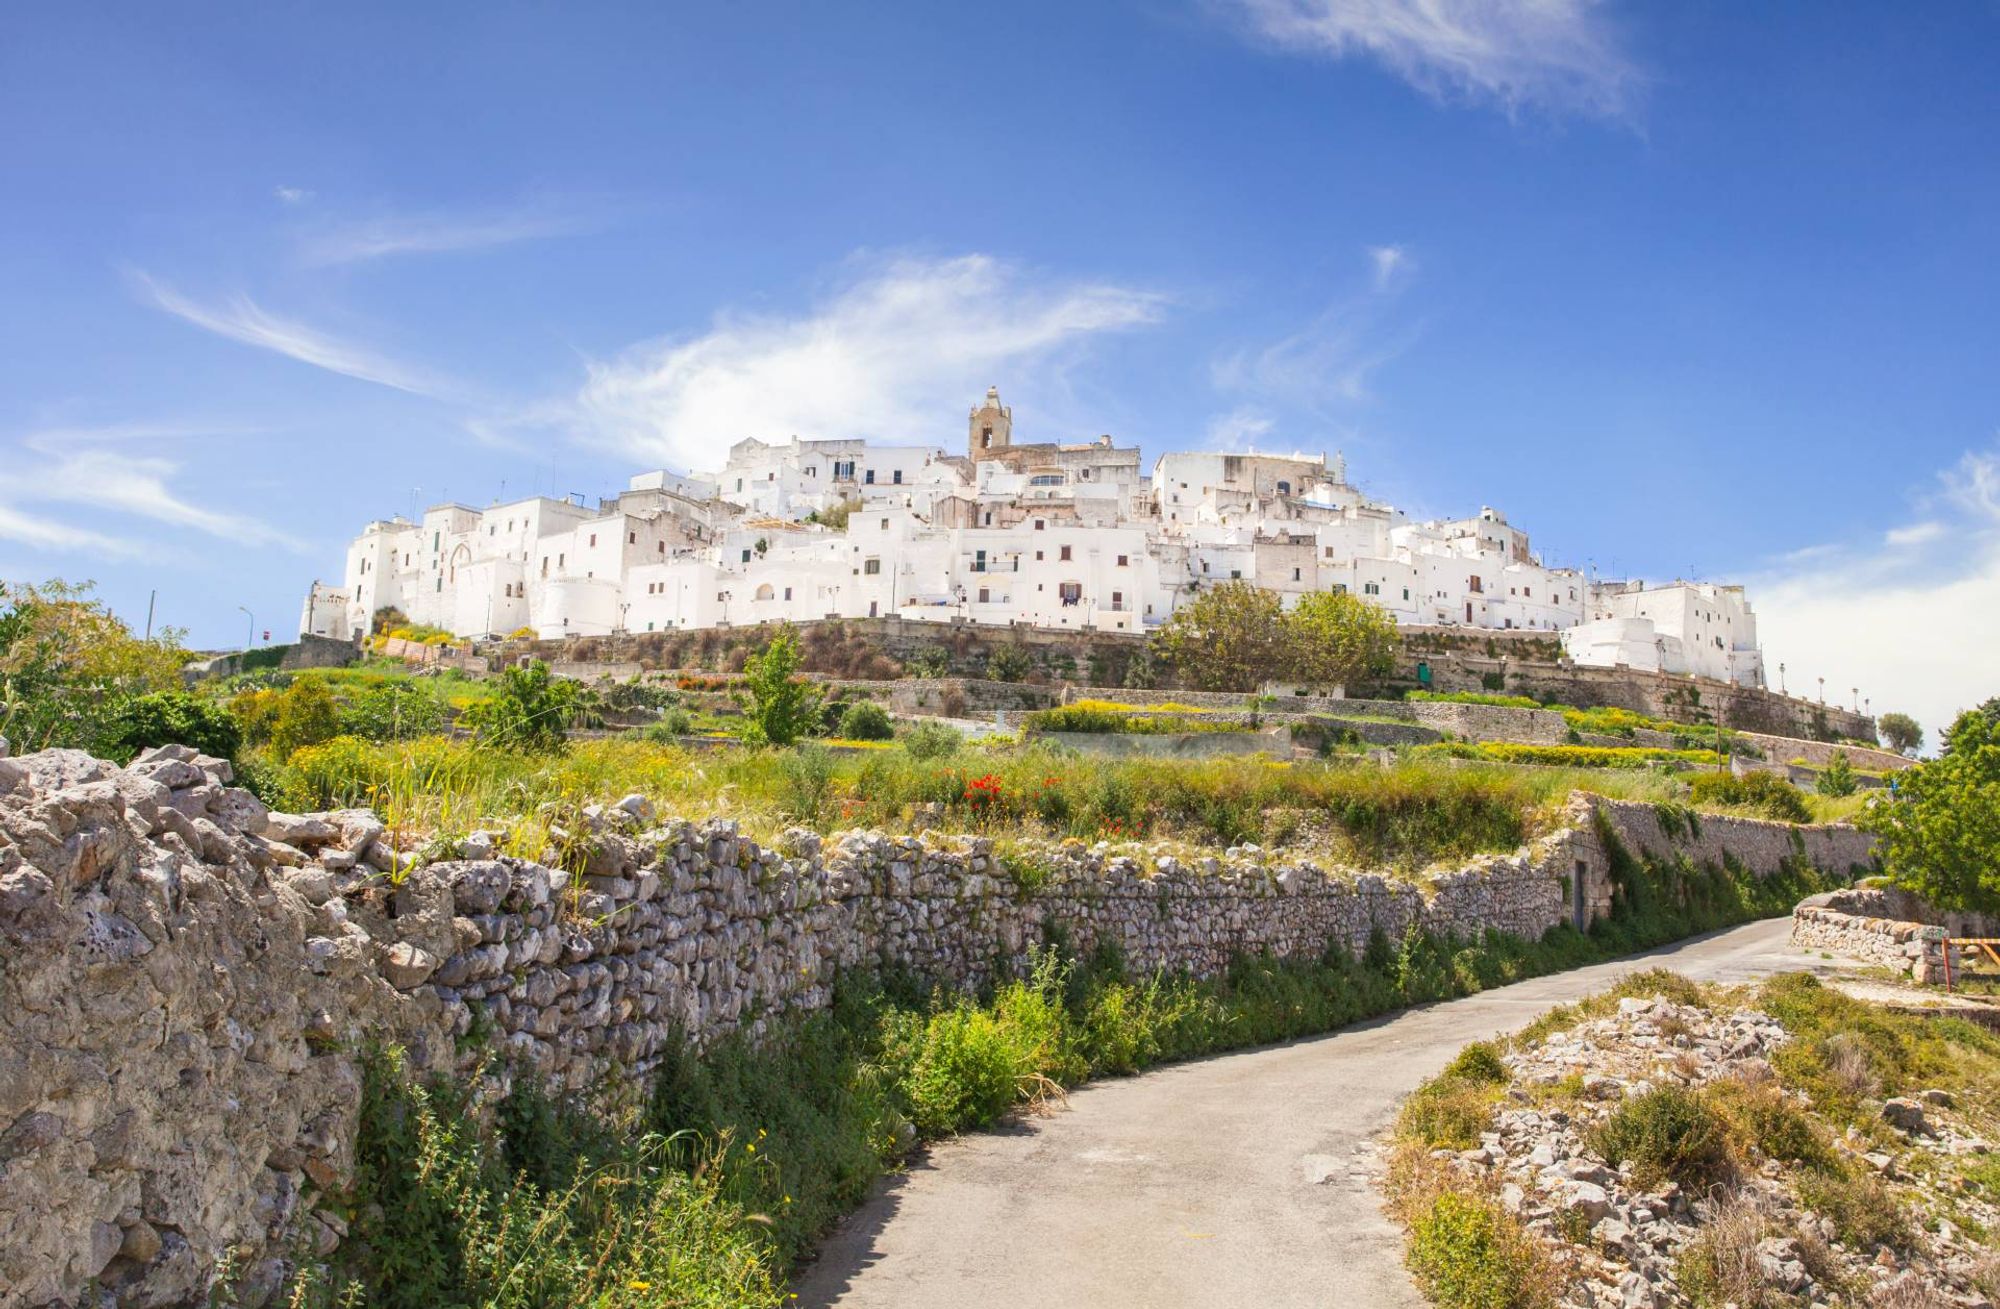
{"x": 639, "y": 1286}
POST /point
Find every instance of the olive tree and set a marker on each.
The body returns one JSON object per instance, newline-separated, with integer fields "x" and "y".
{"x": 1230, "y": 637}
{"x": 1940, "y": 831}
{"x": 1900, "y": 732}
{"x": 1335, "y": 638}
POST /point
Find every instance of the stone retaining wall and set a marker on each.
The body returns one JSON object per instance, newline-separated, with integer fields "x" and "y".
{"x": 186, "y": 979}
{"x": 1887, "y": 926}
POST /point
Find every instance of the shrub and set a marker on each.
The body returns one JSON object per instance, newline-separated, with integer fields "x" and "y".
{"x": 1837, "y": 777}
{"x": 1478, "y": 1062}
{"x": 1766, "y": 793}
{"x": 930, "y": 662}
{"x": 305, "y": 715}
{"x": 1760, "y": 1114}
{"x": 530, "y": 710}
{"x": 960, "y": 1068}
{"x": 394, "y": 711}
{"x": 866, "y": 721}
{"x": 932, "y": 741}
{"x": 1448, "y": 1112}
{"x": 1864, "y": 1212}
{"x": 169, "y": 718}
{"x": 1668, "y": 1134}
{"x": 1009, "y": 663}
{"x": 1469, "y": 1253}
{"x": 808, "y": 780}
{"x": 1720, "y": 1266}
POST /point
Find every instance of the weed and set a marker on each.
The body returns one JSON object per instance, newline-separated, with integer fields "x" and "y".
{"x": 1667, "y": 1134}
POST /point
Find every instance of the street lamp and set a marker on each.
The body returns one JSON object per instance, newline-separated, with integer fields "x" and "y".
{"x": 250, "y": 636}
{"x": 1822, "y": 690}
{"x": 1781, "y": 679}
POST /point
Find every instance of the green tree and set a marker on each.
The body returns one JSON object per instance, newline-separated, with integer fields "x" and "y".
{"x": 67, "y": 663}
{"x": 1837, "y": 778}
{"x": 1335, "y": 638}
{"x": 1900, "y": 732}
{"x": 306, "y": 715}
{"x": 169, "y": 718}
{"x": 530, "y": 710}
{"x": 1230, "y": 637}
{"x": 1940, "y": 832}
{"x": 782, "y": 706}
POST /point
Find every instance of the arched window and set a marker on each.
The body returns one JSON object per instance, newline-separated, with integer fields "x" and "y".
{"x": 765, "y": 592}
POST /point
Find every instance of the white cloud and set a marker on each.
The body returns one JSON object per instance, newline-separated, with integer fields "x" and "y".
{"x": 1559, "y": 54}
{"x": 1389, "y": 261}
{"x": 880, "y": 358}
{"x": 1914, "y": 534}
{"x": 390, "y": 235}
{"x": 47, "y": 534}
{"x": 1914, "y": 627}
{"x": 240, "y": 319}
{"x": 1239, "y": 429}
{"x": 292, "y": 195}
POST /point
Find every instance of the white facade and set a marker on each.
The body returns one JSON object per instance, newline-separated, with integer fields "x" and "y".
{"x": 1049, "y": 535}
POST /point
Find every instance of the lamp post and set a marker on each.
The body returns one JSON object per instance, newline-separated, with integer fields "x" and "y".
{"x": 249, "y": 636}
{"x": 1781, "y": 679}
{"x": 1822, "y": 690}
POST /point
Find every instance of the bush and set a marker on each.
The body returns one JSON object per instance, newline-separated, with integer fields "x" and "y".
{"x": 1668, "y": 1134}
{"x": 1864, "y": 1212}
{"x": 1760, "y": 1114}
{"x": 1469, "y": 1253}
{"x": 531, "y": 710}
{"x": 169, "y": 718}
{"x": 808, "y": 780}
{"x": 781, "y": 705}
{"x": 932, "y": 741}
{"x": 1449, "y": 1112}
{"x": 1836, "y": 779}
{"x": 866, "y": 721}
{"x": 394, "y": 711}
{"x": 1478, "y": 1062}
{"x": 961, "y": 1068}
{"x": 305, "y": 714}
{"x": 931, "y": 662}
{"x": 1009, "y": 663}
{"x": 1765, "y": 793}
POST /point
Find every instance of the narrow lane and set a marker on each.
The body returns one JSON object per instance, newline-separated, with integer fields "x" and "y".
{"x": 1237, "y": 1180}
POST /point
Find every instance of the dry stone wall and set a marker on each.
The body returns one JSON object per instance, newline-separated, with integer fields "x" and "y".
{"x": 187, "y": 979}
{"x": 1890, "y": 927}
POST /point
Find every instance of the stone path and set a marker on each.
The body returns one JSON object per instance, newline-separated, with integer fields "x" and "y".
{"x": 1237, "y": 1180}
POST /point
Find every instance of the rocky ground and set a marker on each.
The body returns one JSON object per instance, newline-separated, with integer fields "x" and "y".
{"x": 1620, "y": 1244}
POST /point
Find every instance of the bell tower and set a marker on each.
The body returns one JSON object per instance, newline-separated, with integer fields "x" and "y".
{"x": 992, "y": 426}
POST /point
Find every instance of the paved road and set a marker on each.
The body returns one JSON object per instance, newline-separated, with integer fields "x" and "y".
{"x": 1236, "y": 1180}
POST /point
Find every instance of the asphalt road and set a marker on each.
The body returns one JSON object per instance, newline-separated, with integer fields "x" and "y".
{"x": 1242, "y": 1179}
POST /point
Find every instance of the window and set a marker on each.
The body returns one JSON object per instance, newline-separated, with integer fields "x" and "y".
{"x": 1236, "y": 574}
{"x": 631, "y": 538}
{"x": 978, "y": 561}
{"x": 1284, "y": 488}
{"x": 435, "y": 538}
{"x": 559, "y": 559}
{"x": 897, "y": 477}
{"x": 746, "y": 556}
{"x": 868, "y": 476}
{"x": 739, "y": 484}
{"x": 843, "y": 470}
{"x": 872, "y": 567}
{"x": 989, "y": 518}
{"x": 788, "y": 593}
{"x": 1370, "y": 588}
{"x": 985, "y": 437}
{"x": 885, "y": 524}
{"x": 1329, "y": 552}
{"x": 1123, "y": 561}
{"x": 1406, "y": 593}
{"x": 1475, "y": 585}
{"x": 1117, "y": 600}
{"x": 663, "y": 547}
{"x": 1064, "y": 556}
{"x": 593, "y": 540}
{"x": 545, "y": 565}
{"x": 491, "y": 531}
{"x": 1038, "y": 556}
{"x": 984, "y": 595}
{"x": 1039, "y": 524}
{"x": 812, "y": 471}
{"x": 1071, "y": 593}
{"x": 1295, "y": 575}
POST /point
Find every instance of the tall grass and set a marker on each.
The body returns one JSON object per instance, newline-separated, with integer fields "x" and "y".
{"x": 1407, "y": 814}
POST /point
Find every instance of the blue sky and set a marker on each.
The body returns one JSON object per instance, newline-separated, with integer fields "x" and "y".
{"x": 1684, "y": 289}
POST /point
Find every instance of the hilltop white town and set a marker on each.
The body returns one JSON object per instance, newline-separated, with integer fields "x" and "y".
{"x": 1037, "y": 534}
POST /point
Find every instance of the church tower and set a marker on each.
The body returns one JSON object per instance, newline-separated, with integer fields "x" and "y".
{"x": 992, "y": 427}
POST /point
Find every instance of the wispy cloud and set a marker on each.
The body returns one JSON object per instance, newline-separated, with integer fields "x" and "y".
{"x": 239, "y": 318}
{"x": 899, "y": 343}
{"x": 1328, "y": 362}
{"x": 1239, "y": 429}
{"x": 1391, "y": 261}
{"x": 88, "y": 467}
{"x": 23, "y": 528}
{"x": 1553, "y": 54}
{"x": 1914, "y": 626}
{"x": 443, "y": 233}
{"x": 292, "y": 195}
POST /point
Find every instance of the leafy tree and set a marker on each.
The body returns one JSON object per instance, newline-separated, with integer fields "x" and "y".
{"x": 306, "y": 715}
{"x": 933, "y": 740}
{"x": 530, "y": 710}
{"x": 169, "y": 718}
{"x": 1900, "y": 732}
{"x": 67, "y": 664}
{"x": 929, "y": 662}
{"x": 1139, "y": 670}
{"x": 1837, "y": 778}
{"x": 782, "y": 706}
{"x": 1336, "y": 638}
{"x": 866, "y": 721}
{"x": 394, "y": 711}
{"x": 1230, "y": 637}
{"x": 1009, "y": 663}
{"x": 1940, "y": 834}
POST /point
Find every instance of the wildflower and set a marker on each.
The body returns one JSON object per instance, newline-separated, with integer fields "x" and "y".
{"x": 639, "y": 1286}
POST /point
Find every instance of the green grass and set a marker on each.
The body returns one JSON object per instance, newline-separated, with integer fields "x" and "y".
{"x": 1569, "y": 756}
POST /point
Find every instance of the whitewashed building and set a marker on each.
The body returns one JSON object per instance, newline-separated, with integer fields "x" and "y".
{"x": 1043, "y": 534}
